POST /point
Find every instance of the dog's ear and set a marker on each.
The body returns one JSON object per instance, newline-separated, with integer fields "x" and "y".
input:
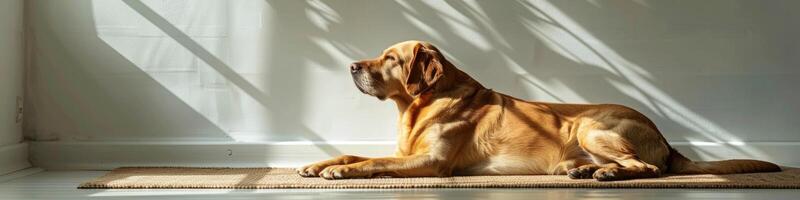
{"x": 423, "y": 71}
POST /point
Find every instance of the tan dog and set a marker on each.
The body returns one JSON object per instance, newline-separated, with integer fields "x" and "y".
{"x": 451, "y": 125}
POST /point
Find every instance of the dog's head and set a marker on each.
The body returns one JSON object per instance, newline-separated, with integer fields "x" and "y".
{"x": 407, "y": 68}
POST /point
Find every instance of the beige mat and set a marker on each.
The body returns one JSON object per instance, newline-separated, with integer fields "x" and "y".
{"x": 248, "y": 178}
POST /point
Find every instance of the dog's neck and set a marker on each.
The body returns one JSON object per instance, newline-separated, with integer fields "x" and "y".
{"x": 402, "y": 102}
{"x": 458, "y": 85}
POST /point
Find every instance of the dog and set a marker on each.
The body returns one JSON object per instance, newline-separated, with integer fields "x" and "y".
{"x": 451, "y": 125}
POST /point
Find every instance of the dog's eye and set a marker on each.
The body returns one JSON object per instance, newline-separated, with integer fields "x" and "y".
{"x": 389, "y": 58}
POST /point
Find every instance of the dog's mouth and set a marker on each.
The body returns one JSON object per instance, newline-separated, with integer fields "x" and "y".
{"x": 366, "y": 87}
{"x": 358, "y": 83}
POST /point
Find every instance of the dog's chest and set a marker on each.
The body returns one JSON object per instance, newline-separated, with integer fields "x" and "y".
{"x": 419, "y": 128}
{"x": 412, "y": 139}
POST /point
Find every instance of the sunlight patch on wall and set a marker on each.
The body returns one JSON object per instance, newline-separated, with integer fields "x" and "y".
{"x": 541, "y": 90}
{"x": 322, "y": 15}
{"x": 460, "y": 24}
{"x": 334, "y": 50}
{"x": 565, "y": 44}
{"x": 483, "y": 18}
{"x": 178, "y": 69}
{"x": 322, "y": 116}
{"x": 631, "y": 79}
{"x": 425, "y": 28}
{"x": 635, "y": 94}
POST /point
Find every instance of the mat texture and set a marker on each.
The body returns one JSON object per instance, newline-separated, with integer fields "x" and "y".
{"x": 250, "y": 178}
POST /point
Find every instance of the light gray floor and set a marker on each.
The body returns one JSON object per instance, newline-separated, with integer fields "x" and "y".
{"x": 62, "y": 184}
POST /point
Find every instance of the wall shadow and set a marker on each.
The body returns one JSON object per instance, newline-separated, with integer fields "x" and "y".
{"x": 553, "y": 57}
{"x": 96, "y": 100}
{"x": 231, "y": 75}
{"x": 561, "y": 51}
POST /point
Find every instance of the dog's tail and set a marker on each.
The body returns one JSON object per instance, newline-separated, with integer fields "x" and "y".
{"x": 678, "y": 164}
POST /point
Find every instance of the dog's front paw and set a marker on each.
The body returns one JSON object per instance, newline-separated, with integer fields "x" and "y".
{"x": 607, "y": 174}
{"x": 309, "y": 170}
{"x": 339, "y": 172}
{"x": 582, "y": 172}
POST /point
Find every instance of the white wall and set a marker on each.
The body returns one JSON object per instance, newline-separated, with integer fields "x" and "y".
{"x": 719, "y": 72}
{"x": 12, "y": 150}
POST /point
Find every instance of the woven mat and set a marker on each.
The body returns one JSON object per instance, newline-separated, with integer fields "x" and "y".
{"x": 253, "y": 178}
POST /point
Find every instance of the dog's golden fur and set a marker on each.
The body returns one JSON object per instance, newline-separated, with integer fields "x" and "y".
{"x": 452, "y": 125}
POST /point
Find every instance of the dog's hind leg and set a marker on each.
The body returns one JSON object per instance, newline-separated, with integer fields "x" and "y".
{"x": 626, "y": 151}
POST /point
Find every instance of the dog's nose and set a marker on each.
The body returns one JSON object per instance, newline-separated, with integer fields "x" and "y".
{"x": 354, "y": 68}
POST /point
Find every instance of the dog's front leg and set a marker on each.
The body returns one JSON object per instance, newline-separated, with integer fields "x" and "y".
{"x": 408, "y": 166}
{"x": 314, "y": 169}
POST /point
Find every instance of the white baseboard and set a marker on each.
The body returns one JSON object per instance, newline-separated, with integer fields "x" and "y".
{"x": 109, "y": 155}
{"x": 19, "y": 174}
{"x": 13, "y": 158}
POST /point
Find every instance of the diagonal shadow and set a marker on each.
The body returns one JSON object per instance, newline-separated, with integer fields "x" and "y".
{"x": 632, "y": 78}
{"x": 204, "y": 55}
{"x": 81, "y": 97}
{"x": 613, "y": 66}
{"x": 218, "y": 65}
{"x": 422, "y": 11}
{"x": 626, "y": 77}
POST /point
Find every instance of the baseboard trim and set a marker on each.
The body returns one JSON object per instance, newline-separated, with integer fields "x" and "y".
{"x": 14, "y": 158}
{"x": 109, "y": 155}
{"x": 19, "y": 174}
